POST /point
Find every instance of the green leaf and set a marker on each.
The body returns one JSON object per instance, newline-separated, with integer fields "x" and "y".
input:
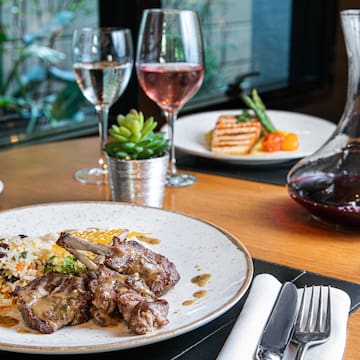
{"x": 124, "y": 131}
{"x": 149, "y": 126}
{"x": 121, "y": 154}
{"x": 135, "y": 137}
{"x": 146, "y": 153}
{"x": 117, "y": 136}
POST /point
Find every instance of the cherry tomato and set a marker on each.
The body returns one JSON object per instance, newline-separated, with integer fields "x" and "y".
{"x": 272, "y": 142}
{"x": 290, "y": 142}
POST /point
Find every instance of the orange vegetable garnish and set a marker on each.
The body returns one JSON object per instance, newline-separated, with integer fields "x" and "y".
{"x": 280, "y": 141}
{"x": 272, "y": 142}
{"x": 19, "y": 266}
{"x": 290, "y": 142}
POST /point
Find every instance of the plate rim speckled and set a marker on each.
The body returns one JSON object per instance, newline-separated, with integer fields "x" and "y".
{"x": 190, "y": 130}
{"x": 219, "y": 243}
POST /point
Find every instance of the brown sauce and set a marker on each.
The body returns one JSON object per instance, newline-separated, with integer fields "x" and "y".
{"x": 200, "y": 294}
{"x": 148, "y": 240}
{"x": 8, "y": 321}
{"x": 201, "y": 280}
{"x": 188, "y": 302}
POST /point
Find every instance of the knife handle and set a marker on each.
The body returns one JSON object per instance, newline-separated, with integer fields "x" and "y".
{"x": 267, "y": 355}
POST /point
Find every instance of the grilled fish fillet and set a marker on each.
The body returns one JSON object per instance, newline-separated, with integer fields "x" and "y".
{"x": 233, "y": 137}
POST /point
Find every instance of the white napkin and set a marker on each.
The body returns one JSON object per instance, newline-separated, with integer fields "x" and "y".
{"x": 245, "y": 335}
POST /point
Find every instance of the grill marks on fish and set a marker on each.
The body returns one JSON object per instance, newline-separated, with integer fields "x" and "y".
{"x": 231, "y": 136}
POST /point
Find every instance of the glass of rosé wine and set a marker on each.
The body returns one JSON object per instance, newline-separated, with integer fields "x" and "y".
{"x": 102, "y": 62}
{"x": 170, "y": 68}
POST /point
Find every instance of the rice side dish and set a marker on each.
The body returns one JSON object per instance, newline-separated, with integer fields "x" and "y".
{"x": 24, "y": 258}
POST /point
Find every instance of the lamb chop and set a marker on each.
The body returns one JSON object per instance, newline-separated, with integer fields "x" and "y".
{"x": 128, "y": 295}
{"x": 53, "y": 301}
{"x": 128, "y": 257}
{"x": 117, "y": 286}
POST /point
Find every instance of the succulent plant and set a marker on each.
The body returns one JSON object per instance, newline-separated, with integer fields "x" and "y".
{"x": 134, "y": 138}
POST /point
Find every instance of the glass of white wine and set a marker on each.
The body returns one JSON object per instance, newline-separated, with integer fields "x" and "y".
{"x": 102, "y": 62}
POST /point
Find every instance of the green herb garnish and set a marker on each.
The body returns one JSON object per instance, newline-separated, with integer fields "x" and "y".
{"x": 245, "y": 116}
{"x": 70, "y": 266}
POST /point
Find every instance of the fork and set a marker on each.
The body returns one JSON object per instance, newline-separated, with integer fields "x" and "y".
{"x": 308, "y": 330}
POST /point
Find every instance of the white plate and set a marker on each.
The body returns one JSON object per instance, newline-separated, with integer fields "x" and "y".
{"x": 312, "y": 132}
{"x": 1, "y": 186}
{"x": 196, "y": 247}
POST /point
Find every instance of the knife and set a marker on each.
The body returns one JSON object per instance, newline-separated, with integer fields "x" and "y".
{"x": 280, "y": 325}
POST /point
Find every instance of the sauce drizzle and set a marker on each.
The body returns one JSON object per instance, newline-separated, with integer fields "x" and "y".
{"x": 188, "y": 302}
{"x": 200, "y": 294}
{"x": 148, "y": 240}
{"x": 201, "y": 280}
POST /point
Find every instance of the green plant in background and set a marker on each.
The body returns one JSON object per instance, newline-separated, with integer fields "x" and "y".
{"x": 35, "y": 87}
{"x": 135, "y": 139}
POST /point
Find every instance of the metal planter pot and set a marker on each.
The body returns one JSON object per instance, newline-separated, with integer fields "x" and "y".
{"x": 141, "y": 182}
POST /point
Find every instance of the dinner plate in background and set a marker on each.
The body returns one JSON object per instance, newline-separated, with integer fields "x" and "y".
{"x": 1, "y": 186}
{"x": 195, "y": 246}
{"x": 312, "y": 131}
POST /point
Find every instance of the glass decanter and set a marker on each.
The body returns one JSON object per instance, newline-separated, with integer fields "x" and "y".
{"x": 327, "y": 182}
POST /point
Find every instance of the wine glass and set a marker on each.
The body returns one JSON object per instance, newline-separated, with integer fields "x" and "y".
{"x": 170, "y": 68}
{"x": 102, "y": 62}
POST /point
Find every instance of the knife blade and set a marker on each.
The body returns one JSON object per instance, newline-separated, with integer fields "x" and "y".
{"x": 279, "y": 327}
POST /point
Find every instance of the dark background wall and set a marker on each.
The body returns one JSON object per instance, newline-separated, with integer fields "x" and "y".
{"x": 331, "y": 105}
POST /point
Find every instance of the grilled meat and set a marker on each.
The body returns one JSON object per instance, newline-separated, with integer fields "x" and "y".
{"x": 127, "y": 257}
{"x": 128, "y": 295}
{"x": 143, "y": 314}
{"x": 233, "y": 137}
{"x": 53, "y": 301}
{"x": 127, "y": 280}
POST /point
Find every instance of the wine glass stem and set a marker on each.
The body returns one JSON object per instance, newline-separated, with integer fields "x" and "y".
{"x": 103, "y": 116}
{"x": 170, "y": 119}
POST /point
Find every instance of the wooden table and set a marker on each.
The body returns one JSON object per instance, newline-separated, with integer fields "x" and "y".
{"x": 261, "y": 216}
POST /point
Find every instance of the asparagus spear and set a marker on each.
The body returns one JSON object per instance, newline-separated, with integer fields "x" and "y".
{"x": 256, "y": 104}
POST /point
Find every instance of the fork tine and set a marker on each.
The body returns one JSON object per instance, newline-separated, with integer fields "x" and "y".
{"x": 310, "y": 318}
{"x": 301, "y": 312}
{"x": 319, "y": 317}
{"x": 328, "y": 312}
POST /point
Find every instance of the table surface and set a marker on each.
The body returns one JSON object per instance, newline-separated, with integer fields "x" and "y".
{"x": 262, "y": 216}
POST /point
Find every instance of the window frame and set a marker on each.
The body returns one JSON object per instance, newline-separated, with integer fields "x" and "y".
{"x": 308, "y": 17}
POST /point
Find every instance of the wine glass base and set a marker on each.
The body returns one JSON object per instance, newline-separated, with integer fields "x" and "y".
{"x": 180, "y": 180}
{"x": 92, "y": 176}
